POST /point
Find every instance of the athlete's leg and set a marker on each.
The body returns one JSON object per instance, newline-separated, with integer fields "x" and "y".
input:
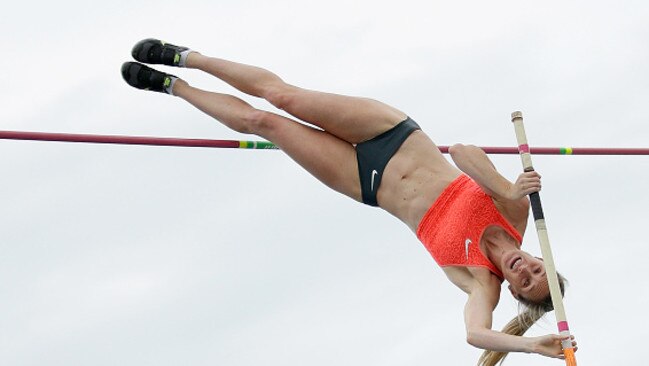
{"x": 328, "y": 158}
{"x": 352, "y": 119}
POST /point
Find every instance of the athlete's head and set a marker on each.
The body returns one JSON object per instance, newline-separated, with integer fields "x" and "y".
{"x": 526, "y": 276}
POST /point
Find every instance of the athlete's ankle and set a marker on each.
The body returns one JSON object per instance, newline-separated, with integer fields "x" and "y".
{"x": 177, "y": 87}
{"x": 192, "y": 59}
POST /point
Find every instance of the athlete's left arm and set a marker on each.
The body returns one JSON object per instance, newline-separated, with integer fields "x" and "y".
{"x": 478, "y": 317}
{"x": 473, "y": 161}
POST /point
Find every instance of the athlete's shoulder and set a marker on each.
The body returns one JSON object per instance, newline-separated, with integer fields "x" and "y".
{"x": 515, "y": 211}
{"x": 485, "y": 284}
{"x": 470, "y": 279}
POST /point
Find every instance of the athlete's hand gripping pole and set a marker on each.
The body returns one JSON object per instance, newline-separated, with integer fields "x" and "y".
{"x": 548, "y": 260}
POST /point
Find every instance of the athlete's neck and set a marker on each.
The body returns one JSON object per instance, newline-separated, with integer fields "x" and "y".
{"x": 498, "y": 242}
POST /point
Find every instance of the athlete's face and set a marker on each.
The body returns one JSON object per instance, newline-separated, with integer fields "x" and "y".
{"x": 526, "y": 276}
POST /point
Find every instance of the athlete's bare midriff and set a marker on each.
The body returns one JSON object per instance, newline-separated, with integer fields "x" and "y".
{"x": 414, "y": 178}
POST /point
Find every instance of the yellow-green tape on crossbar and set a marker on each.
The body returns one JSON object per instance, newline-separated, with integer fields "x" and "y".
{"x": 256, "y": 145}
{"x": 566, "y": 151}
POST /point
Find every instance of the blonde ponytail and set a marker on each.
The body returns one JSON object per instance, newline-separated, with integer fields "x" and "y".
{"x": 531, "y": 313}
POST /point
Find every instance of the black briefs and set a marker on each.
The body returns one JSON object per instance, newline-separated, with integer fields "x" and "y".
{"x": 373, "y": 155}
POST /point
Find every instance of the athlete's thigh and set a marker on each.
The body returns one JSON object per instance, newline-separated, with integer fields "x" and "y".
{"x": 353, "y": 119}
{"x": 327, "y": 157}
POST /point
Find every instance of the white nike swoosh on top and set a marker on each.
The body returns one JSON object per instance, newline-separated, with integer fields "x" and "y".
{"x": 374, "y": 173}
{"x": 466, "y": 247}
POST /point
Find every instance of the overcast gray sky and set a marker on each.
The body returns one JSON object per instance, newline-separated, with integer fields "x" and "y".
{"x": 123, "y": 255}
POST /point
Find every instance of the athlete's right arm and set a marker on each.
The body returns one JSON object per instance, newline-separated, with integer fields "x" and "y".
{"x": 473, "y": 161}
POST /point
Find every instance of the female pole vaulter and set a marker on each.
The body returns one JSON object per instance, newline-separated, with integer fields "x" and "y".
{"x": 469, "y": 217}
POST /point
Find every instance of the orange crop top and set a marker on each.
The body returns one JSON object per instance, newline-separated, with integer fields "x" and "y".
{"x": 453, "y": 226}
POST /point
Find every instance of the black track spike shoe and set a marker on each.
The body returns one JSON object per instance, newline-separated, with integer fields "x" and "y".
{"x": 155, "y": 51}
{"x": 143, "y": 77}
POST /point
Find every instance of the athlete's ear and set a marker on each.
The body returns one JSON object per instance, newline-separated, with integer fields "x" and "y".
{"x": 514, "y": 293}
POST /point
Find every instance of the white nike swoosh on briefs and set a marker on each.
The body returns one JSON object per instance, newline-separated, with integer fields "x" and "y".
{"x": 374, "y": 173}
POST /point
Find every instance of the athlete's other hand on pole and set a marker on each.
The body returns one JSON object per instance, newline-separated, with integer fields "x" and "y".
{"x": 550, "y": 345}
{"x": 528, "y": 182}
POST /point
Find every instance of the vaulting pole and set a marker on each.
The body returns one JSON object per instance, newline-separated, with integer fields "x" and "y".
{"x": 546, "y": 251}
{"x": 185, "y": 142}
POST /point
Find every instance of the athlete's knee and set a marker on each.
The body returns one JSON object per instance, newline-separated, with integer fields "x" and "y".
{"x": 281, "y": 95}
{"x": 257, "y": 122}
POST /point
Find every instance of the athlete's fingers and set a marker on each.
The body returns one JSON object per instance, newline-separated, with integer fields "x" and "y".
{"x": 532, "y": 185}
{"x": 533, "y": 174}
